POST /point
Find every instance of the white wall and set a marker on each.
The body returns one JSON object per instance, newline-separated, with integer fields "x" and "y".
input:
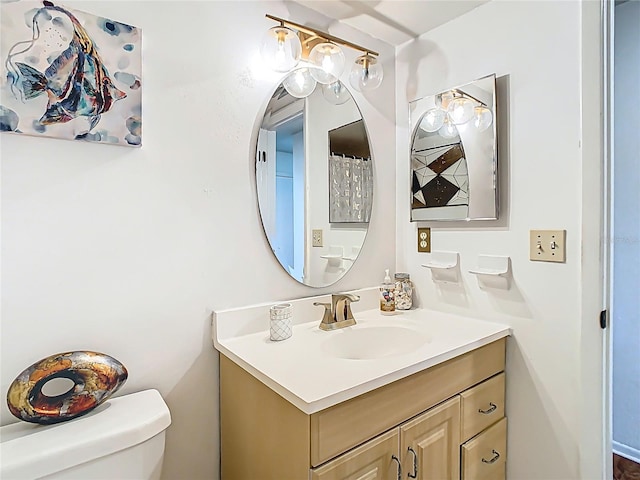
{"x": 626, "y": 232}
{"x": 127, "y": 251}
{"x": 536, "y": 50}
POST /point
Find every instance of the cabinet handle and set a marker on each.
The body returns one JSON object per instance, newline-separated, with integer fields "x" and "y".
{"x": 493, "y": 459}
{"x": 393, "y": 457}
{"x": 491, "y": 409}
{"x": 415, "y": 464}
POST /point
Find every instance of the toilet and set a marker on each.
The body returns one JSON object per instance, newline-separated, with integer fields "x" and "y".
{"x": 121, "y": 439}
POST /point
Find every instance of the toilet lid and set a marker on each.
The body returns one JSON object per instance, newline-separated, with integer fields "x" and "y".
{"x": 29, "y": 450}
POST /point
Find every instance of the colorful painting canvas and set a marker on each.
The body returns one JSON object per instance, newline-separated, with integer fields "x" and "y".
{"x": 69, "y": 74}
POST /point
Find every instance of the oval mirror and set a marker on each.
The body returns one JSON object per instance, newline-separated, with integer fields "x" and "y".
{"x": 314, "y": 179}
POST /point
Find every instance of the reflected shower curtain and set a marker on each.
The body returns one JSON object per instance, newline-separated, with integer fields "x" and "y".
{"x": 350, "y": 189}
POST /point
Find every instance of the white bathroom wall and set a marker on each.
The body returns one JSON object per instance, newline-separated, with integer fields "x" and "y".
{"x": 127, "y": 251}
{"x": 626, "y": 233}
{"x": 538, "y": 50}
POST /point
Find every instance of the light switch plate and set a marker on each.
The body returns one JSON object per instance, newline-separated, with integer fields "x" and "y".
{"x": 316, "y": 238}
{"x": 424, "y": 240}
{"x": 547, "y": 245}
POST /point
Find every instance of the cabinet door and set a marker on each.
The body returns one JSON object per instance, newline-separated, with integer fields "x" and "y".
{"x": 374, "y": 460}
{"x": 430, "y": 443}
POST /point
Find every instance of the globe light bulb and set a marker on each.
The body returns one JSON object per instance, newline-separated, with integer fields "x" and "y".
{"x": 299, "y": 83}
{"x": 448, "y": 129}
{"x": 366, "y": 74}
{"x": 329, "y": 60}
{"x": 460, "y": 110}
{"x": 336, "y": 93}
{"x": 433, "y": 119}
{"x": 281, "y": 48}
{"x": 482, "y": 118}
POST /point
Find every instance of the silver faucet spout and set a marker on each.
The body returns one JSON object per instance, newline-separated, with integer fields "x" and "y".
{"x": 338, "y": 313}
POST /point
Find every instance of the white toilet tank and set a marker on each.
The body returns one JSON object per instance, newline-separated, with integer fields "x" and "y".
{"x": 121, "y": 439}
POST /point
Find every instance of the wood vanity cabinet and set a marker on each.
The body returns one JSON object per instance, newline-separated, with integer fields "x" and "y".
{"x": 445, "y": 422}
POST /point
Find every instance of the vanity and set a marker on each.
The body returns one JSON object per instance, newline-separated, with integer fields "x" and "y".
{"x": 415, "y": 395}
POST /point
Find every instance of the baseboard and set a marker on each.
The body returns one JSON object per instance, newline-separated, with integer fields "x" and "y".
{"x": 626, "y": 451}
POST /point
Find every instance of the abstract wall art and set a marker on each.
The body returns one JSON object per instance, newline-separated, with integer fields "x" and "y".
{"x": 69, "y": 74}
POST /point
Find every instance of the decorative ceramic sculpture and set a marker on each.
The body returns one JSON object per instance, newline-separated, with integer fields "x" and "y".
{"x": 96, "y": 377}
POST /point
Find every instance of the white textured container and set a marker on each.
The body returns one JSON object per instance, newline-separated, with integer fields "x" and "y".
{"x": 121, "y": 439}
{"x": 280, "y": 325}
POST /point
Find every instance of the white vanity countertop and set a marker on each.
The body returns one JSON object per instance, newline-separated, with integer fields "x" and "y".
{"x": 308, "y": 369}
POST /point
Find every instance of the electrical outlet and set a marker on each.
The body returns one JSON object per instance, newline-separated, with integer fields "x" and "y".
{"x": 424, "y": 240}
{"x": 316, "y": 236}
{"x": 547, "y": 245}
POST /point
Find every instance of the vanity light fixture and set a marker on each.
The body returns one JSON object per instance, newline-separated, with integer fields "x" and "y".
{"x": 456, "y": 107}
{"x": 281, "y": 48}
{"x": 330, "y": 60}
{"x": 288, "y": 44}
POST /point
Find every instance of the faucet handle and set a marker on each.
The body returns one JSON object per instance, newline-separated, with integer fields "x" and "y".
{"x": 345, "y": 296}
{"x": 342, "y": 306}
{"x": 327, "y": 317}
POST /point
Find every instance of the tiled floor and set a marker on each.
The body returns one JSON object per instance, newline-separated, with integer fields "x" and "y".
{"x": 624, "y": 469}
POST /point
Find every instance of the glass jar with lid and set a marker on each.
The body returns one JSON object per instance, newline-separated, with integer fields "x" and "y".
{"x": 404, "y": 291}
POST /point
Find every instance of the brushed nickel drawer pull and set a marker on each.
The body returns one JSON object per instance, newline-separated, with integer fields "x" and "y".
{"x": 493, "y": 459}
{"x": 393, "y": 457}
{"x": 415, "y": 464}
{"x": 491, "y": 409}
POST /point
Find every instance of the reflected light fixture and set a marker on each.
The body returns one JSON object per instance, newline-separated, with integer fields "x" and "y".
{"x": 433, "y": 119}
{"x": 320, "y": 54}
{"x": 300, "y": 83}
{"x": 460, "y": 110}
{"x": 443, "y": 99}
{"x": 482, "y": 118}
{"x": 455, "y": 107}
{"x": 336, "y": 93}
{"x": 448, "y": 129}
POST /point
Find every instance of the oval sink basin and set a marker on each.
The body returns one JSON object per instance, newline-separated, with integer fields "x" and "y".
{"x": 373, "y": 342}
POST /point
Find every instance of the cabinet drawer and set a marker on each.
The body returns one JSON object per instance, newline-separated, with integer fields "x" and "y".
{"x": 482, "y": 406}
{"x": 484, "y": 457}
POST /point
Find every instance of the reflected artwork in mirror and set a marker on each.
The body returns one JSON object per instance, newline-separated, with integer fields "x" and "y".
{"x": 314, "y": 182}
{"x": 454, "y": 154}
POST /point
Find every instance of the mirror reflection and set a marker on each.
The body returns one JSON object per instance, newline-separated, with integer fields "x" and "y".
{"x": 314, "y": 179}
{"x": 453, "y": 154}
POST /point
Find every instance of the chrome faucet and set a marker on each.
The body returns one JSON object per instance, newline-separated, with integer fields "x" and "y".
{"x": 337, "y": 314}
